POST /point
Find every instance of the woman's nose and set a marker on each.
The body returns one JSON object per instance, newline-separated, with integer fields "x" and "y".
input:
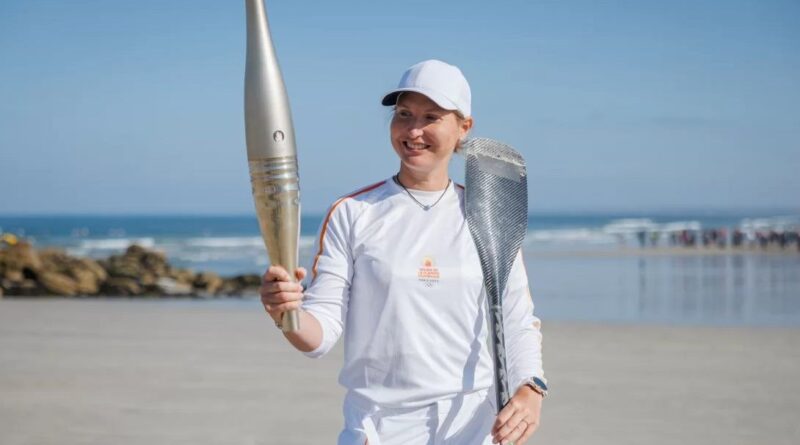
{"x": 414, "y": 132}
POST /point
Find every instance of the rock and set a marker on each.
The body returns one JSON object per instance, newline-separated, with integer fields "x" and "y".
{"x": 137, "y": 271}
{"x": 25, "y": 288}
{"x": 249, "y": 280}
{"x": 85, "y": 272}
{"x": 55, "y": 260}
{"x": 85, "y": 281}
{"x": 30, "y": 287}
{"x": 14, "y": 276}
{"x": 94, "y": 267}
{"x": 58, "y": 284}
{"x": 137, "y": 262}
{"x": 241, "y": 284}
{"x": 148, "y": 278}
{"x": 150, "y": 260}
{"x": 120, "y": 286}
{"x": 20, "y": 257}
{"x": 207, "y": 282}
{"x": 88, "y": 274}
{"x": 228, "y": 287}
{"x": 172, "y": 287}
{"x": 156, "y": 263}
{"x": 185, "y": 276}
{"x": 121, "y": 266}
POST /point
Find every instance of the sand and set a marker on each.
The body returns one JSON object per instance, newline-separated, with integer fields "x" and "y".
{"x": 166, "y": 372}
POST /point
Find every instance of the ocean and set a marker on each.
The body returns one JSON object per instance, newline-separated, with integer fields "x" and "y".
{"x": 581, "y": 266}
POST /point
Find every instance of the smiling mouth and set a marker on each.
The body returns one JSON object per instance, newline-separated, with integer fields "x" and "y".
{"x": 413, "y": 146}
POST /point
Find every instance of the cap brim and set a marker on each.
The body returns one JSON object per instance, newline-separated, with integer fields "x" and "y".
{"x": 391, "y": 98}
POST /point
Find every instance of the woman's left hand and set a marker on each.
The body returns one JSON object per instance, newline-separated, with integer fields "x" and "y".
{"x": 517, "y": 421}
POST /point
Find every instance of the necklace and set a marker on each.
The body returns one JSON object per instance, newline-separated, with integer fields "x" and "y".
{"x": 424, "y": 206}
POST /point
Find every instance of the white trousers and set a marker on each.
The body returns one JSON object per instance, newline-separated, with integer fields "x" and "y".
{"x": 466, "y": 419}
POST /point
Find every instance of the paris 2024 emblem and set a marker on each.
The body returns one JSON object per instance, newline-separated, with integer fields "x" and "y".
{"x": 428, "y": 273}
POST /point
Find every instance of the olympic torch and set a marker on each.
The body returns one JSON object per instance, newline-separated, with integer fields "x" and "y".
{"x": 271, "y": 151}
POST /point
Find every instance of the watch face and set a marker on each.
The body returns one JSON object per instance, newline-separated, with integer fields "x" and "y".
{"x": 540, "y": 383}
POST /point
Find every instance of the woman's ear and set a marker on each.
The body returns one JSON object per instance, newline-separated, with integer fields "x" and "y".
{"x": 466, "y": 126}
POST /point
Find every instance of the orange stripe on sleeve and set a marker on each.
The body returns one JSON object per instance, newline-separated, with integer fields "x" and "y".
{"x": 328, "y": 217}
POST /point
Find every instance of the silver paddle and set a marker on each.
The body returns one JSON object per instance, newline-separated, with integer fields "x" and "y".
{"x": 497, "y": 216}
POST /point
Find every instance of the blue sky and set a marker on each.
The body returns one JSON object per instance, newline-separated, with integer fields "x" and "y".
{"x": 136, "y": 106}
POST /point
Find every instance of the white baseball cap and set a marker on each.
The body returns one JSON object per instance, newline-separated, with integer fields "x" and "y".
{"x": 440, "y": 82}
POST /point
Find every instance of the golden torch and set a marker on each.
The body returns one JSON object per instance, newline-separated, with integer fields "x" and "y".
{"x": 271, "y": 150}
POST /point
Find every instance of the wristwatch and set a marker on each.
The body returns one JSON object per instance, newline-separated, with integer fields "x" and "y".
{"x": 536, "y": 384}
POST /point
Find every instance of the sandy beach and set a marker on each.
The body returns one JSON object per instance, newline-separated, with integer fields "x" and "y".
{"x": 190, "y": 372}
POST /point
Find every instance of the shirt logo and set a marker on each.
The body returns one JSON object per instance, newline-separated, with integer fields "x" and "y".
{"x": 428, "y": 274}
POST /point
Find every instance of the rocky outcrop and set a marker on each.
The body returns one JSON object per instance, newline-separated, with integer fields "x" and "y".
{"x": 68, "y": 275}
{"x": 58, "y": 283}
{"x": 208, "y": 283}
{"x": 172, "y": 287}
{"x": 241, "y": 284}
{"x": 19, "y": 268}
{"x": 24, "y": 271}
{"x": 19, "y": 257}
{"x": 121, "y": 287}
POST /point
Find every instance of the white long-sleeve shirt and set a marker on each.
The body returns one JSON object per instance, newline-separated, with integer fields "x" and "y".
{"x": 405, "y": 286}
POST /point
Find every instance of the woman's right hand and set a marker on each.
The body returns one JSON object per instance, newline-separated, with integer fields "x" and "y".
{"x": 279, "y": 293}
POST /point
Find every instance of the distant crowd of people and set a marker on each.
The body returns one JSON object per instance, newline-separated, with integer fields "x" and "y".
{"x": 721, "y": 238}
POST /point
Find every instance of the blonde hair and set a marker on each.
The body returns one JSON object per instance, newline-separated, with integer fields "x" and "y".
{"x": 460, "y": 118}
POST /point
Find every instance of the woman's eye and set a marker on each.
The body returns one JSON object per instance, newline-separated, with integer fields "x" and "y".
{"x": 403, "y": 113}
{"x": 432, "y": 117}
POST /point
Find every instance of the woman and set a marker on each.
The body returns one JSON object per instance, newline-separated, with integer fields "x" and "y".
{"x": 397, "y": 271}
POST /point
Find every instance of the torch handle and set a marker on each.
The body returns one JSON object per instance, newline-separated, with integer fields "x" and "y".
{"x": 276, "y": 193}
{"x": 290, "y": 321}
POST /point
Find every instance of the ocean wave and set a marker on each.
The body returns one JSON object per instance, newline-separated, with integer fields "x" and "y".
{"x": 679, "y": 226}
{"x": 633, "y": 226}
{"x": 233, "y": 242}
{"x": 774, "y": 223}
{"x": 615, "y": 231}
{"x": 115, "y": 243}
{"x": 629, "y": 225}
{"x": 101, "y": 247}
{"x": 210, "y": 255}
{"x": 571, "y": 236}
{"x": 227, "y": 242}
